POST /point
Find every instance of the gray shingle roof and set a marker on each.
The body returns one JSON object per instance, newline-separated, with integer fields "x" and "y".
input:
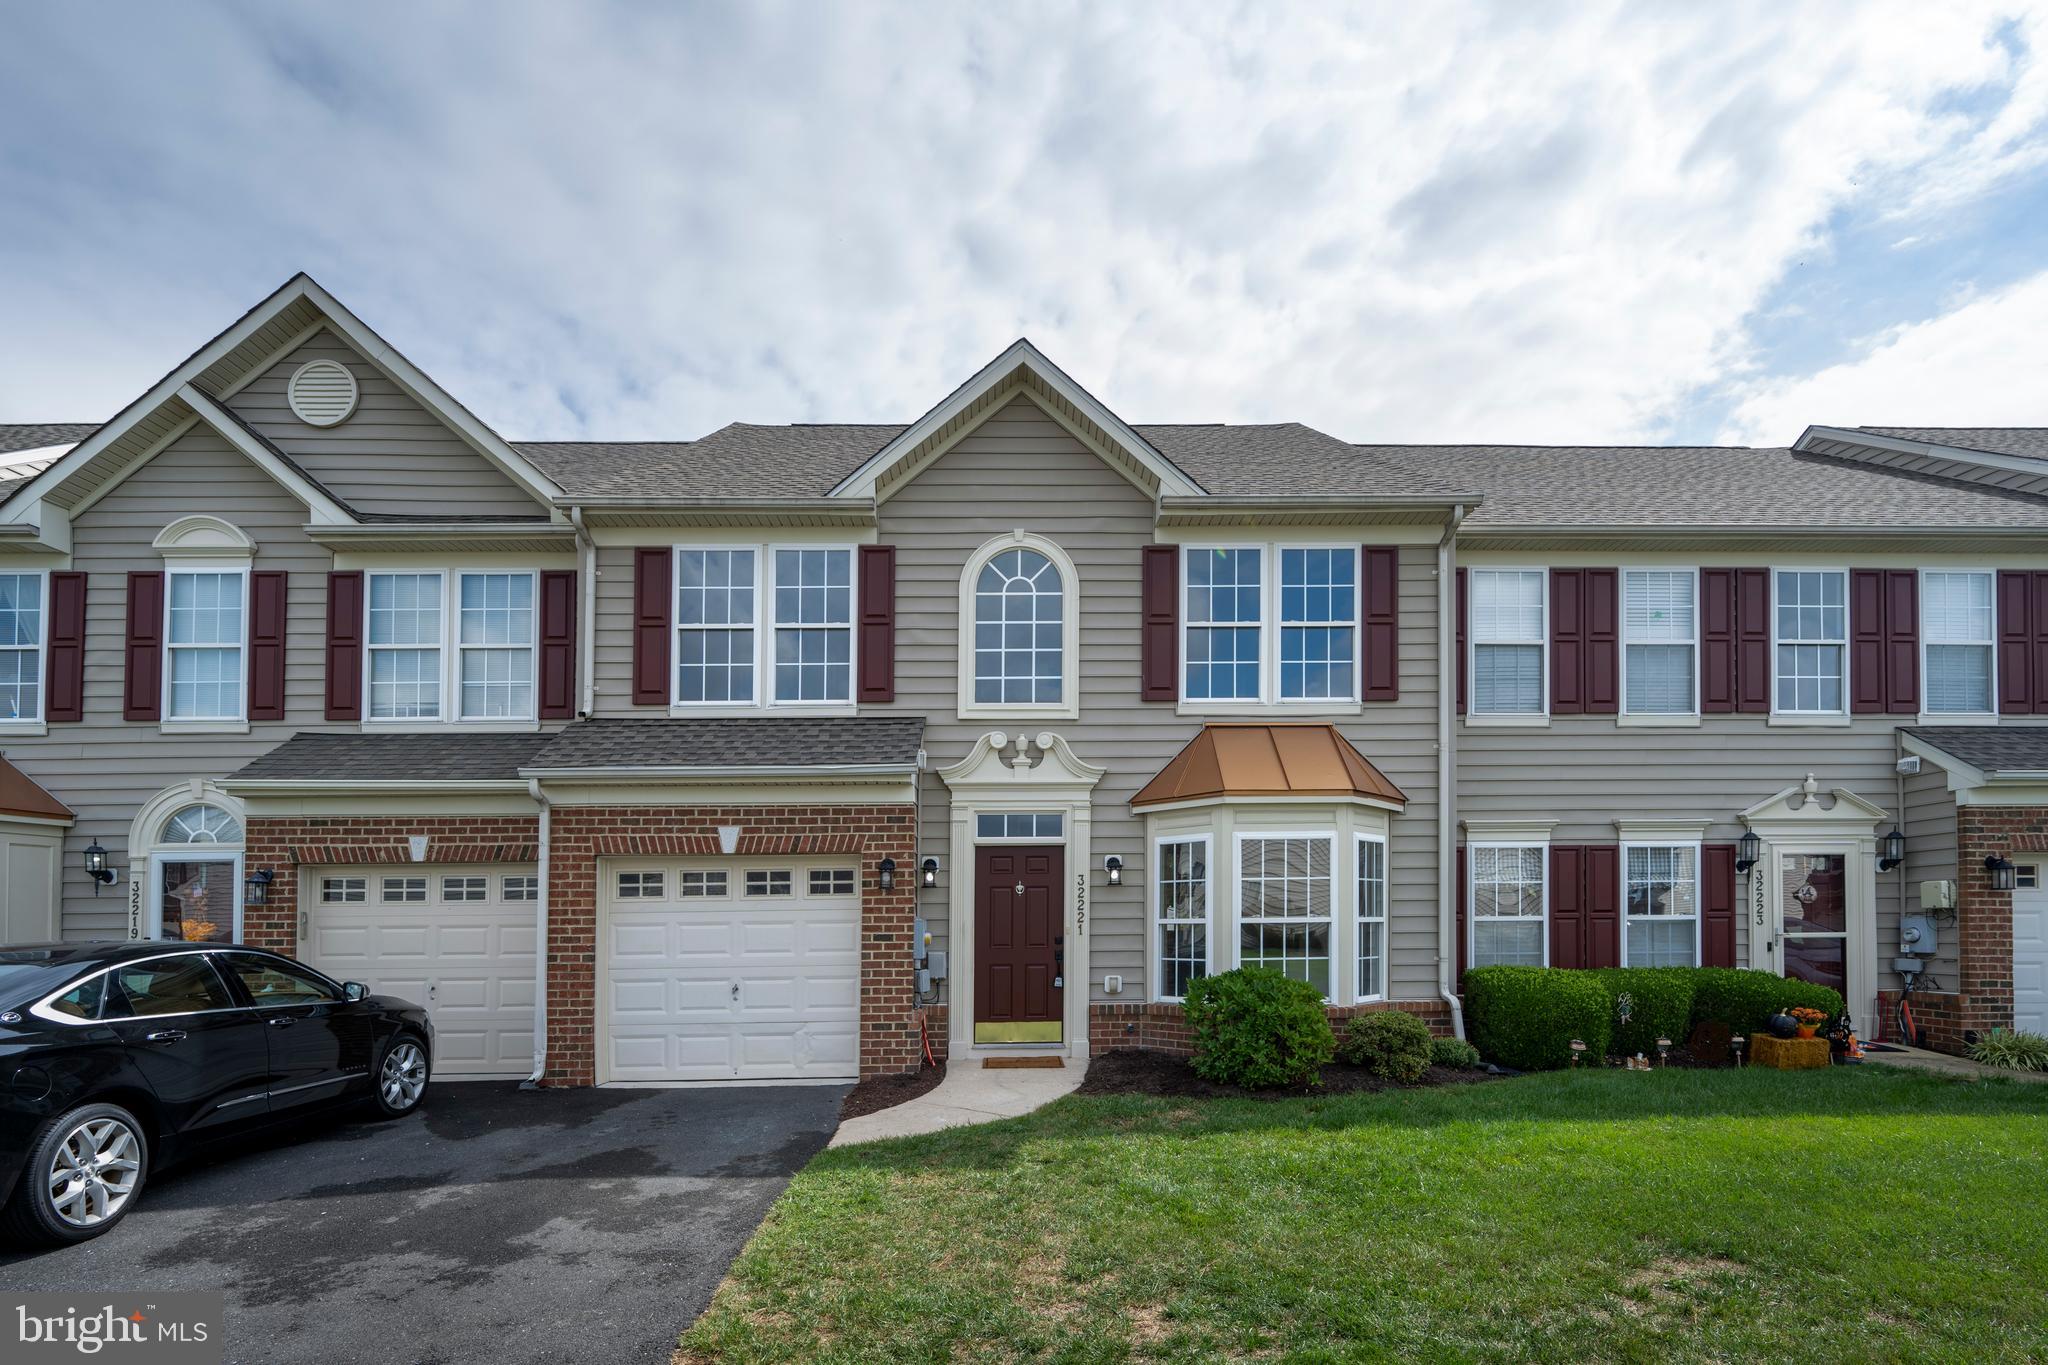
{"x": 1994, "y": 748}
{"x": 35, "y": 435}
{"x": 750, "y": 742}
{"x": 2027, "y": 442}
{"x": 397, "y": 758}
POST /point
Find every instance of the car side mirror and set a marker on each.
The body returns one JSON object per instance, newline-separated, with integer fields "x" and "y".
{"x": 354, "y": 990}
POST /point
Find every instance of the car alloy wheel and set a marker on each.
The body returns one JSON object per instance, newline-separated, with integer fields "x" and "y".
{"x": 404, "y": 1076}
{"x": 94, "y": 1172}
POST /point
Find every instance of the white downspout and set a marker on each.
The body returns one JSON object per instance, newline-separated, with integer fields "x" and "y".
{"x": 540, "y": 938}
{"x": 1447, "y": 772}
{"x": 586, "y": 618}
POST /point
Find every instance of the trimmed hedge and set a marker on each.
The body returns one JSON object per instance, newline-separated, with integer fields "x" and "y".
{"x": 1256, "y": 1028}
{"x": 1744, "y": 999}
{"x": 1526, "y": 1017}
{"x": 1660, "y": 1006}
{"x": 1393, "y": 1045}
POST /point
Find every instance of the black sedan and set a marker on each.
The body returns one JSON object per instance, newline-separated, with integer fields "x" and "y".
{"x": 115, "y": 1058}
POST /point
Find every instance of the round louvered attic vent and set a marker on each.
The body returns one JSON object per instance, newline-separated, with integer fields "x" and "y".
{"x": 322, "y": 393}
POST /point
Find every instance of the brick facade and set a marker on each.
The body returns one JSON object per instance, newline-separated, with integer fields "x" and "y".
{"x": 581, "y": 835}
{"x": 1983, "y": 997}
{"x": 1164, "y": 1027}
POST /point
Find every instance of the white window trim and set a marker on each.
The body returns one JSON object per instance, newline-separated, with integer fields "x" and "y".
{"x": 1698, "y": 886}
{"x": 1473, "y": 715}
{"x": 1154, "y": 970}
{"x": 1686, "y": 718}
{"x": 1927, "y": 715}
{"x": 764, "y": 632}
{"x": 35, "y": 724}
{"x": 1472, "y": 917}
{"x": 1270, "y": 626}
{"x": 1068, "y": 707}
{"x": 176, "y": 724}
{"x": 1384, "y": 919}
{"x": 1839, "y": 717}
{"x": 450, "y": 650}
{"x": 1339, "y": 977}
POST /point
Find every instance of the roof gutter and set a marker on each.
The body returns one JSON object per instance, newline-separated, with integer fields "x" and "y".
{"x": 317, "y": 786}
{"x": 646, "y": 772}
{"x": 1447, "y": 775}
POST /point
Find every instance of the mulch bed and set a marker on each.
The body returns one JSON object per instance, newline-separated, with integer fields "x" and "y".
{"x": 1141, "y": 1071}
{"x": 886, "y": 1092}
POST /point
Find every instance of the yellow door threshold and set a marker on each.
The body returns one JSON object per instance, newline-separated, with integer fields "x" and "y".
{"x": 1031, "y": 1031}
{"x": 1021, "y": 1063}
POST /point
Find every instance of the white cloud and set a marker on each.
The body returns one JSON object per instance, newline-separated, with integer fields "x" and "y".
{"x": 1424, "y": 222}
{"x": 1978, "y": 365}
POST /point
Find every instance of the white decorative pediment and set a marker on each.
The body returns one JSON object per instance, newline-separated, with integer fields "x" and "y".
{"x": 1043, "y": 767}
{"x": 1805, "y": 809}
{"x": 202, "y": 536}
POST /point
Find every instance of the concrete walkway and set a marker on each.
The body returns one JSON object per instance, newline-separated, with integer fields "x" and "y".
{"x": 971, "y": 1093}
{"x": 1919, "y": 1059}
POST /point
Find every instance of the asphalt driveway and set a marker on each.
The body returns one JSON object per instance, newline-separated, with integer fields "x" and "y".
{"x": 494, "y": 1225}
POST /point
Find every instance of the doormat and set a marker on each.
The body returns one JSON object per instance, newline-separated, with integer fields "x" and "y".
{"x": 1021, "y": 1063}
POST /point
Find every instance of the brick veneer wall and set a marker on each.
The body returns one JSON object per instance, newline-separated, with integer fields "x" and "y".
{"x": 578, "y": 837}
{"x": 1983, "y": 995}
{"x": 1164, "y": 1027}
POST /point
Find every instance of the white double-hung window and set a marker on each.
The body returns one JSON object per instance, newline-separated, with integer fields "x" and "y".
{"x": 1507, "y": 625}
{"x": 1660, "y": 635}
{"x": 206, "y": 633}
{"x": 1284, "y": 905}
{"x": 1372, "y": 917}
{"x": 1225, "y": 603}
{"x": 759, "y": 626}
{"x": 1959, "y": 635}
{"x": 422, "y": 645}
{"x": 21, "y": 646}
{"x": 1662, "y": 926}
{"x": 404, "y": 646}
{"x": 495, "y": 642}
{"x": 1812, "y": 646}
{"x": 1181, "y": 892}
{"x": 1508, "y": 898}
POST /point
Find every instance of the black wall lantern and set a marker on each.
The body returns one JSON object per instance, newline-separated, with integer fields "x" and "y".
{"x": 256, "y": 886}
{"x": 1114, "y": 867}
{"x": 2003, "y": 874}
{"x": 887, "y": 869}
{"x": 930, "y": 869}
{"x": 1748, "y": 851}
{"x": 1891, "y": 850}
{"x": 96, "y": 867}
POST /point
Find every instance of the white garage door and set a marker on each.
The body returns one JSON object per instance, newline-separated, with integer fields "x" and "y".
{"x": 458, "y": 940}
{"x": 731, "y": 970}
{"x": 2030, "y": 959}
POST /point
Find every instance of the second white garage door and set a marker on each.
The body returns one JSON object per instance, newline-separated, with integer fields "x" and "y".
{"x": 458, "y": 940}
{"x": 735, "y": 970}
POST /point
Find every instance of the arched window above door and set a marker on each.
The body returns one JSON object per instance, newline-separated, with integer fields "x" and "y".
{"x": 201, "y": 824}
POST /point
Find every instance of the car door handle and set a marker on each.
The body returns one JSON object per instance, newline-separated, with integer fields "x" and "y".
{"x": 168, "y": 1035}
{"x": 280, "y": 1021}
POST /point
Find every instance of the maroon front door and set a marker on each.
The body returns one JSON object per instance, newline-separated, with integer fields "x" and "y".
{"x": 1019, "y": 944}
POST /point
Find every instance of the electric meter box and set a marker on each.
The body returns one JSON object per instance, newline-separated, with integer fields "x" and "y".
{"x": 1937, "y": 895}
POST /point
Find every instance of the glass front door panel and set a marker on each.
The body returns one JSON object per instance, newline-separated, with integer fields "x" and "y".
{"x": 1823, "y": 961}
{"x": 1816, "y": 894}
{"x": 199, "y": 901}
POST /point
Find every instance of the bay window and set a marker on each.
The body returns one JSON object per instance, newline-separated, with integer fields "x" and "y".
{"x": 1284, "y": 900}
{"x": 21, "y": 646}
{"x": 1959, "y": 634}
{"x": 205, "y": 637}
{"x": 1812, "y": 623}
{"x": 1659, "y": 622}
{"x": 413, "y": 658}
{"x": 1507, "y": 626}
{"x": 759, "y": 626}
{"x": 1661, "y": 927}
{"x": 1372, "y": 917}
{"x": 1508, "y": 905}
{"x": 1181, "y": 900}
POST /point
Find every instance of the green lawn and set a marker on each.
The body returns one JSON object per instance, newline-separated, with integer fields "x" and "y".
{"x": 1852, "y": 1214}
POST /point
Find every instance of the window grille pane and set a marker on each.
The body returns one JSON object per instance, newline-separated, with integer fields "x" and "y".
{"x": 640, "y": 886}
{"x": 1507, "y": 605}
{"x": 1284, "y": 907}
{"x": 1959, "y": 678}
{"x": 1183, "y": 928}
{"x": 405, "y": 609}
{"x": 1019, "y": 638}
{"x": 1318, "y": 612}
{"x": 21, "y": 684}
{"x": 1957, "y": 608}
{"x": 1660, "y": 679}
{"x": 206, "y": 684}
{"x": 715, "y": 616}
{"x": 1506, "y": 943}
{"x": 402, "y": 889}
{"x": 813, "y": 625}
{"x": 206, "y": 609}
{"x": 497, "y": 609}
{"x": 831, "y": 881}
{"x": 1224, "y": 608}
{"x": 777, "y": 882}
{"x": 405, "y": 684}
{"x": 701, "y": 884}
{"x": 1372, "y": 918}
{"x": 1661, "y": 943}
{"x": 1507, "y": 679}
{"x": 1810, "y": 678}
{"x": 344, "y": 890}
{"x": 522, "y": 888}
{"x": 1019, "y": 825}
{"x": 465, "y": 888}
{"x": 1659, "y": 605}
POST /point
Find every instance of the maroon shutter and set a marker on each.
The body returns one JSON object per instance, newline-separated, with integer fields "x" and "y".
{"x": 267, "y": 616}
{"x": 1159, "y": 593}
{"x": 1567, "y": 642}
{"x": 653, "y": 600}
{"x": 1866, "y": 642}
{"x": 878, "y": 623}
{"x": 1379, "y": 620}
{"x": 1717, "y": 641}
{"x": 558, "y": 644}
{"x": 1462, "y": 651}
{"x": 345, "y": 645}
{"x": 1717, "y": 905}
{"x": 1603, "y": 905}
{"x": 2037, "y": 638}
{"x": 2015, "y": 643}
{"x": 64, "y": 672}
{"x": 1902, "y": 641}
{"x": 1600, "y": 666}
{"x": 143, "y": 684}
{"x": 1567, "y": 905}
{"x": 1462, "y": 935}
{"x": 1753, "y": 640}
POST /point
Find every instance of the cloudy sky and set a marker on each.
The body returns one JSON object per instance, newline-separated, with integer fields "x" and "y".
{"x": 1543, "y": 223}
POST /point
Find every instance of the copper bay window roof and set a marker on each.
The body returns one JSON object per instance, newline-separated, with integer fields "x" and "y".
{"x": 22, "y": 795}
{"x": 1300, "y": 760}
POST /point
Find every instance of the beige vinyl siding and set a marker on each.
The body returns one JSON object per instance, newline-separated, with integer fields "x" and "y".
{"x": 1930, "y": 830}
{"x": 105, "y": 768}
{"x": 391, "y": 455}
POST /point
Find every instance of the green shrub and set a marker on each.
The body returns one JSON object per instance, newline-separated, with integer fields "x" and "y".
{"x": 1660, "y": 1006}
{"x": 1254, "y": 1027}
{"x": 1392, "y": 1044}
{"x": 1526, "y": 1017}
{"x": 1454, "y": 1054}
{"x": 2011, "y": 1051}
{"x": 1744, "y": 1000}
